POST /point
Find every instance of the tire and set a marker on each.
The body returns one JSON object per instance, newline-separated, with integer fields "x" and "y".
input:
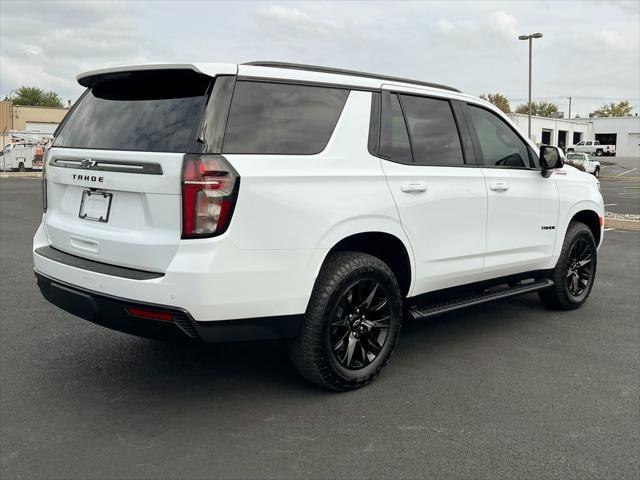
{"x": 21, "y": 167}
{"x": 332, "y": 327}
{"x": 596, "y": 173}
{"x": 599, "y": 153}
{"x": 566, "y": 275}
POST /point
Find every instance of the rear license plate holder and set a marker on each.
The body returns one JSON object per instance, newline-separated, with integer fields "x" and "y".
{"x": 95, "y": 206}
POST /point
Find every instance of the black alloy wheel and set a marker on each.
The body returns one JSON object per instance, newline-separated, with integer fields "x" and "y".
{"x": 360, "y": 324}
{"x": 575, "y": 273}
{"x": 352, "y": 322}
{"x": 580, "y": 267}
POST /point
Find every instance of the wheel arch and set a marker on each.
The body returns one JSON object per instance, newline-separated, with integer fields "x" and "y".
{"x": 592, "y": 220}
{"x": 383, "y": 245}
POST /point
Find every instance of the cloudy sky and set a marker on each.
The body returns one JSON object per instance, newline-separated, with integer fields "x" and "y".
{"x": 590, "y": 49}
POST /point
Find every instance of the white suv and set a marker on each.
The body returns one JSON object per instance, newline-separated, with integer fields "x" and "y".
{"x": 219, "y": 202}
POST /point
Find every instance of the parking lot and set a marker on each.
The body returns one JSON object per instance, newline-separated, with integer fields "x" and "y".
{"x": 502, "y": 390}
{"x": 620, "y": 184}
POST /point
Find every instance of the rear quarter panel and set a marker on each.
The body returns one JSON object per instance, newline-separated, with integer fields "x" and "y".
{"x": 311, "y": 202}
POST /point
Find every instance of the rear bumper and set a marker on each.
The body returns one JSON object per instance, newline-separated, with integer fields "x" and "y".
{"x": 112, "y": 312}
{"x": 212, "y": 279}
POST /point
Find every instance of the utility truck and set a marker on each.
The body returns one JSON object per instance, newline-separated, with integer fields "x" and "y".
{"x": 18, "y": 157}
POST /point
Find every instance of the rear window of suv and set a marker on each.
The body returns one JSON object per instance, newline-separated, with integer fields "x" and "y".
{"x": 279, "y": 118}
{"x": 150, "y": 111}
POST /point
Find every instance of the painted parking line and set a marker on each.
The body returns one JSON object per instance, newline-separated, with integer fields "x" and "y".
{"x": 608, "y": 229}
{"x": 628, "y": 171}
{"x": 610, "y": 204}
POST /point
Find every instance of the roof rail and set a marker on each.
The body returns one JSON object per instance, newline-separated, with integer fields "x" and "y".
{"x": 340, "y": 71}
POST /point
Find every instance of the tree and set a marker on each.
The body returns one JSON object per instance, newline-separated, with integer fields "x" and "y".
{"x": 621, "y": 109}
{"x": 540, "y": 109}
{"x": 34, "y": 96}
{"x": 498, "y": 100}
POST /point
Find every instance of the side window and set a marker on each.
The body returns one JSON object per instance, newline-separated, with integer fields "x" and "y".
{"x": 433, "y": 130}
{"x": 588, "y": 144}
{"x": 580, "y": 143}
{"x": 535, "y": 160}
{"x": 394, "y": 139}
{"x": 499, "y": 145}
{"x": 597, "y": 142}
{"x": 277, "y": 118}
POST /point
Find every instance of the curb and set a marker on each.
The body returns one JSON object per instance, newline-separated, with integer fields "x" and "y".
{"x": 21, "y": 174}
{"x": 622, "y": 224}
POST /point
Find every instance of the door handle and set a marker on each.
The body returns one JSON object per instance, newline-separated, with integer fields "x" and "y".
{"x": 413, "y": 187}
{"x": 499, "y": 187}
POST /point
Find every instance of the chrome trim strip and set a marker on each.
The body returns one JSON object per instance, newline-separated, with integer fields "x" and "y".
{"x": 147, "y": 168}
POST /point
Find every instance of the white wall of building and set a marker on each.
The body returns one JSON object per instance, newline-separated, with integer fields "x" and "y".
{"x": 583, "y": 127}
{"x": 42, "y": 127}
{"x": 627, "y": 130}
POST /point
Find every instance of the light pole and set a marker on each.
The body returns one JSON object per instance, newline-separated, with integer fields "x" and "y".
{"x": 569, "y": 106}
{"x": 530, "y": 37}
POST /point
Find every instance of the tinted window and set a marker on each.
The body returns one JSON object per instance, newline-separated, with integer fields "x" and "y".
{"x": 273, "y": 118}
{"x": 434, "y": 135}
{"x": 499, "y": 144}
{"x": 394, "y": 139}
{"x": 152, "y": 111}
{"x": 533, "y": 156}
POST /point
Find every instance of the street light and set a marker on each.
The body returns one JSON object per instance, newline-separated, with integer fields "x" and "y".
{"x": 530, "y": 37}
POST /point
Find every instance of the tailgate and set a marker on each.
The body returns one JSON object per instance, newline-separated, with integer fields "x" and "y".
{"x": 142, "y": 223}
{"x": 113, "y": 174}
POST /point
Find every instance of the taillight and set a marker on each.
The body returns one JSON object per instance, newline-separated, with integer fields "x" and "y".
{"x": 44, "y": 182}
{"x": 209, "y": 191}
{"x": 151, "y": 314}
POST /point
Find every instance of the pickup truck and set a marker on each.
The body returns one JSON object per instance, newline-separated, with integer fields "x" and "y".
{"x": 592, "y": 147}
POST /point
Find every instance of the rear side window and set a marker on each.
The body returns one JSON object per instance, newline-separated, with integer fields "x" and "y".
{"x": 275, "y": 118}
{"x": 394, "y": 139}
{"x": 150, "y": 111}
{"x": 433, "y": 130}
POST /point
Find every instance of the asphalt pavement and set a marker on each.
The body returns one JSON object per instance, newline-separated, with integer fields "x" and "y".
{"x": 620, "y": 184}
{"x": 505, "y": 390}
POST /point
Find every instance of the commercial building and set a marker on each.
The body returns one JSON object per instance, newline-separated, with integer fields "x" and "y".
{"x": 39, "y": 120}
{"x": 623, "y": 132}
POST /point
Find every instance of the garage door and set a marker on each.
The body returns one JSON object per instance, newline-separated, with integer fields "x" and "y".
{"x": 41, "y": 127}
{"x": 634, "y": 144}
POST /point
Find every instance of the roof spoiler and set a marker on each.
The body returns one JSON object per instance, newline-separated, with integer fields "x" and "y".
{"x": 94, "y": 77}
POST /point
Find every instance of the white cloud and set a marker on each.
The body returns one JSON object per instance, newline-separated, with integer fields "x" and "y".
{"x": 503, "y": 23}
{"x": 292, "y": 23}
{"x": 611, "y": 38}
{"x": 470, "y": 45}
{"x": 478, "y": 31}
{"x": 48, "y": 43}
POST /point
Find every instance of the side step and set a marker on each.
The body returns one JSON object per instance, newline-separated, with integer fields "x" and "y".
{"x": 425, "y": 311}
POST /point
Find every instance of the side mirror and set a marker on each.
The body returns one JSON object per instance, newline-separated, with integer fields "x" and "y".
{"x": 550, "y": 158}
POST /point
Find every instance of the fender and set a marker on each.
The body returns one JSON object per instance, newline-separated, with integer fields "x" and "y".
{"x": 362, "y": 224}
{"x": 565, "y": 219}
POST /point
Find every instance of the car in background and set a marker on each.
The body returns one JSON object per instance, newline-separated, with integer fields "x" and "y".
{"x": 592, "y": 147}
{"x": 585, "y": 160}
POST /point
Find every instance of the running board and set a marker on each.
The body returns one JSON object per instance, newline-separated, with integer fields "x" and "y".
{"x": 425, "y": 311}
